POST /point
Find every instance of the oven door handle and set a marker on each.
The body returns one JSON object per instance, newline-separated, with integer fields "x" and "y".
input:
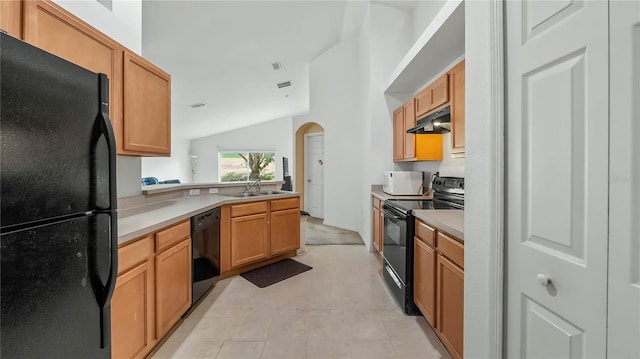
{"x": 393, "y": 215}
{"x": 393, "y": 276}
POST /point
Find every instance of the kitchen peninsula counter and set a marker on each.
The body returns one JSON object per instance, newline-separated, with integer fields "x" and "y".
{"x": 134, "y": 222}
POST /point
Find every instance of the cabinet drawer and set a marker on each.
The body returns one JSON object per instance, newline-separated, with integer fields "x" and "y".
{"x": 286, "y": 203}
{"x": 134, "y": 253}
{"x": 376, "y": 203}
{"x": 425, "y": 233}
{"x": 248, "y": 208}
{"x": 172, "y": 235}
{"x": 451, "y": 249}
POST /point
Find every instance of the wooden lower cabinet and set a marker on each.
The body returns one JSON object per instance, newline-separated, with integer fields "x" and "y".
{"x": 450, "y": 326}
{"x": 424, "y": 291}
{"x": 132, "y": 305}
{"x": 249, "y": 239}
{"x": 153, "y": 290}
{"x": 258, "y": 232}
{"x": 377, "y": 220}
{"x": 439, "y": 284}
{"x": 285, "y": 231}
{"x": 132, "y": 314}
{"x": 173, "y": 285}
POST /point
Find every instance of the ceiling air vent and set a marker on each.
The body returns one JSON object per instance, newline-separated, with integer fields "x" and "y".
{"x": 276, "y": 66}
{"x": 284, "y": 84}
{"x": 199, "y": 104}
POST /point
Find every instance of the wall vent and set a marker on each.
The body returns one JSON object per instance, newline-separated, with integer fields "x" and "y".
{"x": 284, "y": 84}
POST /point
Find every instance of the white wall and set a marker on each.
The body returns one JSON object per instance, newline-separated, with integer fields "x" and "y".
{"x": 423, "y": 14}
{"x": 275, "y": 135}
{"x": 178, "y": 166}
{"x": 479, "y": 161}
{"x": 123, "y": 23}
{"x": 335, "y": 105}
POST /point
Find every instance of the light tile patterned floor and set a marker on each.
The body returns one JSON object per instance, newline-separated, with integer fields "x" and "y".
{"x": 339, "y": 309}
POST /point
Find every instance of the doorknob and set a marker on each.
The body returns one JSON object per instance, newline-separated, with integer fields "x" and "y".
{"x": 543, "y": 280}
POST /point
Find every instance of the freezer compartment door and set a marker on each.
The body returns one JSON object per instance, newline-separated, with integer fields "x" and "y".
{"x": 53, "y": 278}
{"x": 54, "y": 156}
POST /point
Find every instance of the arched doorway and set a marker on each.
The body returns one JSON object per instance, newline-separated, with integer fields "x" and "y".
{"x": 299, "y": 182}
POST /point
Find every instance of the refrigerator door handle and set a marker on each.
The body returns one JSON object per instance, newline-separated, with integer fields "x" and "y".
{"x": 107, "y": 130}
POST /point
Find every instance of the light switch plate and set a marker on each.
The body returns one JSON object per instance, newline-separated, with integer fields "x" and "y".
{"x": 194, "y": 192}
{"x": 213, "y": 190}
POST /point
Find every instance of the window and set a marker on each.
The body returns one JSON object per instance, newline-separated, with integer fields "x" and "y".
{"x": 246, "y": 166}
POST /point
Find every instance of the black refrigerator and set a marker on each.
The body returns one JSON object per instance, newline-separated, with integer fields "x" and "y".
{"x": 58, "y": 224}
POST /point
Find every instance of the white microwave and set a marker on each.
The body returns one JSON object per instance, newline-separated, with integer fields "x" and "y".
{"x": 402, "y": 183}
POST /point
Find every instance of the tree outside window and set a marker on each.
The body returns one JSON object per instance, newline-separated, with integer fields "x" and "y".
{"x": 247, "y": 166}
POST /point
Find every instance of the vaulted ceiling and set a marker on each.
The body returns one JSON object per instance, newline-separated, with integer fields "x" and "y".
{"x": 221, "y": 52}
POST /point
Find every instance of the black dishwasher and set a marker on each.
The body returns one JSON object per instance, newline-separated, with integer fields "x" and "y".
{"x": 205, "y": 244}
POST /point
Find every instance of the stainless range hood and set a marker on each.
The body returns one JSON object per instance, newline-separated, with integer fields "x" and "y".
{"x": 437, "y": 122}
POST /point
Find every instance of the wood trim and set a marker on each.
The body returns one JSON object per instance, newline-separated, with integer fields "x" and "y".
{"x": 425, "y": 233}
{"x": 238, "y": 210}
{"x": 134, "y": 253}
{"x": 225, "y": 239}
{"x": 451, "y": 248}
{"x": 172, "y": 235}
{"x": 286, "y": 203}
{"x": 376, "y": 202}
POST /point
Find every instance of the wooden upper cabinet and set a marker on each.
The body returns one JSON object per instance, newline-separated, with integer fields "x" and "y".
{"x": 11, "y": 17}
{"x": 57, "y": 31}
{"x": 409, "y": 138}
{"x": 456, "y": 91}
{"x": 433, "y": 96}
{"x": 146, "y": 126}
{"x": 398, "y": 134}
{"x": 439, "y": 92}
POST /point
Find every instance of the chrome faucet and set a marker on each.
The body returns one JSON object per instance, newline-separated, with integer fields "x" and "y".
{"x": 254, "y": 183}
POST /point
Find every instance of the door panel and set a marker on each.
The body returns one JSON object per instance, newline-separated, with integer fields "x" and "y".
{"x": 557, "y": 160}
{"x": 624, "y": 192}
{"x": 555, "y": 337}
{"x": 315, "y": 181}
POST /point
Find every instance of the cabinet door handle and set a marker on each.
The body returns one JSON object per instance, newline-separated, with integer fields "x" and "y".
{"x": 543, "y": 280}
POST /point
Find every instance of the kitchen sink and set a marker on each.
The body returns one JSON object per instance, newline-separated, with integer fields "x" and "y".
{"x": 255, "y": 194}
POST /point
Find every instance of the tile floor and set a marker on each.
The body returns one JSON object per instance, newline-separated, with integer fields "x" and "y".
{"x": 339, "y": 309}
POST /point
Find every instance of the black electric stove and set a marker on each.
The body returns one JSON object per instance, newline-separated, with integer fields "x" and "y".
{"x": 399, "y": 227}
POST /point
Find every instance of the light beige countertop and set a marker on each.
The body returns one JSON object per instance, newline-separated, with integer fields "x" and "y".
{"x": 138, "y": 221}
{"x": 163, "y": 188}
{"x": 450, "y": 221}
{"x": 384, "y": 196}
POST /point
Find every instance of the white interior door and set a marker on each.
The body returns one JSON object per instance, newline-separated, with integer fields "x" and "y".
{"x": 314, "y": 175}
{"x": 624, "y": 187}
{"x": 557, "y": 177}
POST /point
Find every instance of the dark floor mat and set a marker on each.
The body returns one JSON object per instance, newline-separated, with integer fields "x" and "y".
{"x": 274, "y": 273}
